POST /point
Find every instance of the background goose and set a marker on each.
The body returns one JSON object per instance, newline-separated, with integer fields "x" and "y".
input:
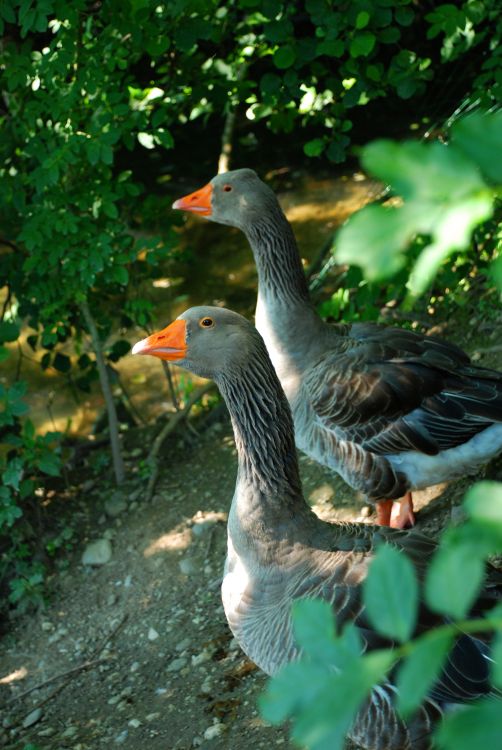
{"x": 390, "y": 410}
{"x": 279, "y": 550}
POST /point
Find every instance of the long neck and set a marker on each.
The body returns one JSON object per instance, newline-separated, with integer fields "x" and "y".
{"x": 268, "y": 492}
{"x": 280, "y": 272}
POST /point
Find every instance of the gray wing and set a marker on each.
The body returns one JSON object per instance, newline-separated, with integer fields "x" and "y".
{"x": 389, "y": 399}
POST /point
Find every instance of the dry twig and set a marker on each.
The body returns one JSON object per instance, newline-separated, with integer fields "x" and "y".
{"x": 167, "y": 430}
{"x": 69, "y": 673}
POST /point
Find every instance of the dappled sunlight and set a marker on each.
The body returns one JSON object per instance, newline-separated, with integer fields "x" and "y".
{"x": 181, "y": 536}
{"x": 322, "y": 494}
{"x": 172, "y": 541}
{"x": 17, "y": 674}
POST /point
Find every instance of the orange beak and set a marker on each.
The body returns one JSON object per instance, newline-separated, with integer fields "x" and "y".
{"x": 170, "y": 343}
{"x": 198, "y": 202}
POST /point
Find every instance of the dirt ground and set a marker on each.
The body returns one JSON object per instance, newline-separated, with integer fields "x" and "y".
{"x": 136, "y": 653}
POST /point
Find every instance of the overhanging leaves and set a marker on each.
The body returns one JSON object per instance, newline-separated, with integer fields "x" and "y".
{"x": 476, "y": 726}
{"x": 391, "y": 594}
{"x": 421, "y": 668}
{"x": 374, "y": 239}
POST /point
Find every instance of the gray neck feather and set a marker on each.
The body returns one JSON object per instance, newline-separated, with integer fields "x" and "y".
{"x": 277, "y": 258}
{"x": 263, "y": 429}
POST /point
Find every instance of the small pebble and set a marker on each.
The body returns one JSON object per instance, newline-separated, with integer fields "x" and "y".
{"x": 177, "y": 664}
{"x": 134, "y": 723}
{"x": 48, "y": 732}
{"x": 214, "y": 731}
{"x": 120, "y": 738}
{"x": 153, "y": 716}
{"x": 97, "y": 553}
{"x": 69, "y": 732}
{"x": 201, "y": 658}
{"x": 115, "y": 505}
{"x": 182, "y": 645}
{"x": 32, "y": 718}
{"x": 152, "y": 634}
{"x": 187, "y": 566}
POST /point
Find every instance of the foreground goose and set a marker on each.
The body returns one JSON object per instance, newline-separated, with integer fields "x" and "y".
{"x": 389, "y": 410}
{"x": 279, "y": 550}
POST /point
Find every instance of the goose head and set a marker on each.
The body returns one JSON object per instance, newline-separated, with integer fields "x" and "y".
{"x": 238, "y": 199}
{"x": 208, "y": 341}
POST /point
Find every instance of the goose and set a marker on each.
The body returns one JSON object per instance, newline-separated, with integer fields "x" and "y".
{"x": 278, "y": 550}
{"x": 390, "y": 410}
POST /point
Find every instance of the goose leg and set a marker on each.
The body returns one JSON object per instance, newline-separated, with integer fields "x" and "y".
{"x": 396, "y": 513}
{"x": 402, "y": 516}
{"x": 384, "y": 510}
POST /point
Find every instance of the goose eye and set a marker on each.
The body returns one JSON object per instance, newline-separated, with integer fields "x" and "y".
{"x": 206, "y": 323}
{"x": 227, "y": 188}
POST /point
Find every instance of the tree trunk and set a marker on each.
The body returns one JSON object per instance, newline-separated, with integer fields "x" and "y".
{"x": 228, "y": 128}
{"x": 118, "y": 462}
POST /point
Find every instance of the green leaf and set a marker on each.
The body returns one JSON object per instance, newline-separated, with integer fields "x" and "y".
{"x": 164, "y": 137}
{"x": 373, "y": 239}
{"x": 363, "y": 19}
{"x": 420, "y": 670}
{"x": 483, "y": 503}
{"x": 466, "y": 134}
{"x": 120, "y": 275}
{"x": 296, "y": 685}
{"x": 50, "y": 464}
{"x": 496, "y": 664}
{"x": 314, "y": 147}
{"x": 476, "y": 726}
{"x": 390, "y": 593}
{"x": 390, "y": 35}
{"x": 322, "y": 704}
{"x": 8, "y": 331}
{"x": 432, "y": 172}
{"x": 331, "y": 47}
{"x": 362, "y": 44}
{"x": 336, "y": 151}
{"x": 452, "y": 230}
{"x": 278, "y": 31}
{"x": 284, "y": 57}
{"x": 270, "y": 83}
{"x": 119, "y": 349}
{"x": 404, "y": 16}
{"x": 496, "y": 272}
{"x": 455, "y": 574}
{"x": 61, "y": 362}
{"x": 313, "y": 626}
{"x": 13, "y": 472}
{"x": 93, "y": 151}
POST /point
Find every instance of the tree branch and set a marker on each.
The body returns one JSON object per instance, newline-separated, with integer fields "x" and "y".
{"x": 118, "y": 462}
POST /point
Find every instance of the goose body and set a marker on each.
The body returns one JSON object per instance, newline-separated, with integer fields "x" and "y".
{"x": 390, "y": 410}
{"x": 279, "y": 550}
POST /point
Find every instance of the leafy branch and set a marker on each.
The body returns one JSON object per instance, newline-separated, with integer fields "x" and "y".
{"x": 446, "y": 191}
{"x": 326, "y": 688}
